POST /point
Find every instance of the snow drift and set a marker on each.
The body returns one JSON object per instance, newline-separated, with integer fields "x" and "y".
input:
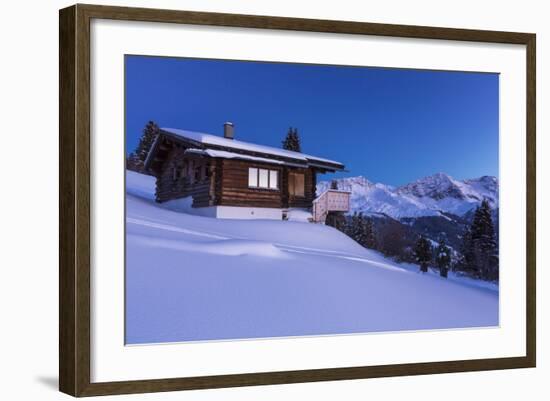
{"x": 196, "y": 278}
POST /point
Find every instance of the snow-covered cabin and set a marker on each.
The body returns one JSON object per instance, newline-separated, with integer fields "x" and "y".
{"x": 226, "y": 178}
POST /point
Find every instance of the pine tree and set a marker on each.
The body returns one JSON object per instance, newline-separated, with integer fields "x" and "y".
{"x": 483, "y": 242}
{"x": 136, "y": 159}
{"x": 353, "y": 229}
{"x": 292, "y": 140}
{"x": 443, "y": 258}
{"x": 467, "y": 261}
{"x": 337, "y": 220}
{"x": 370, "y": 235}
{"x": 479, "y": 251}
{"x": 357, "y": 227}
{"x": 362, "y": 234}
{"x": 423, "y": 253}
{"x": 361, "y": 230}
{"x": 132, "y": 162}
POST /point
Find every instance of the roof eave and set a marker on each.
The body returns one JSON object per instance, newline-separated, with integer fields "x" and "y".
{"x": 181, "y": 139}
{"x": 328, "y": 167}
{"x": 295, "y": 162}
{"x": 150, "y": 155}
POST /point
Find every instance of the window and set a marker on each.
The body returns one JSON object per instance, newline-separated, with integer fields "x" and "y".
{"x": 252, "y": 177}
{"x": 296, "y": 184}
{"x": 273, "y": 179}
{"x": 263, "y": 178}
{"x": 177, "y": 172}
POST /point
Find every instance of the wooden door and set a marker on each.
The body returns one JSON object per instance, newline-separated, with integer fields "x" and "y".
{"x": 296, "y": 184}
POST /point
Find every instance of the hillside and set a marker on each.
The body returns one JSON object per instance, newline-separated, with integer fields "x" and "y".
{"x": 195, "y": 278}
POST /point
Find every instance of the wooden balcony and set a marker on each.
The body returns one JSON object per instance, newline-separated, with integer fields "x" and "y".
{"x": 332, "y": 200}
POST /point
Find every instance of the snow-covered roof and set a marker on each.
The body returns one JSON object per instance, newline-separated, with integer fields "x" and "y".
{"x": 208, "y": 139}
{"x": 230, "y": 155}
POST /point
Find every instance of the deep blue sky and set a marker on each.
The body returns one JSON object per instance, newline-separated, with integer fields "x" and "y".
{"x": 390, "y": 125}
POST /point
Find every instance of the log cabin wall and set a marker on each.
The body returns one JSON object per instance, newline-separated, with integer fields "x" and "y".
{"x": 181, "y": 176}
{"x": 224, "y": 182}
{"x": 236, "y": 192}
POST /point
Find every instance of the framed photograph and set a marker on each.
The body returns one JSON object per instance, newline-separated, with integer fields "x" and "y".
{"x": 250, "y": 200}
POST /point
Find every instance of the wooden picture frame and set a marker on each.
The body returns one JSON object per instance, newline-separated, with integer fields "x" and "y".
{"x": 74, "y": 205}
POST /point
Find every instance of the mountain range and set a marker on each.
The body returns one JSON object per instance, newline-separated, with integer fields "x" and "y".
{"x": 435, "y": 195}
{"x": 437, "y": 206}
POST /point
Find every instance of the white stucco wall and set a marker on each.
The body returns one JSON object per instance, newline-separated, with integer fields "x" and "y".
{"x": 224, "y": 212}
{"x": 234, "y": 212}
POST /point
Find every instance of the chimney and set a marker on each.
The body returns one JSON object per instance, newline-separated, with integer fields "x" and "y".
{"x": 228, "y": 130}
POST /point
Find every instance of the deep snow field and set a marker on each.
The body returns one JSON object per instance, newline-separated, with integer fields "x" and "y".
{"x": 194, "y": 278}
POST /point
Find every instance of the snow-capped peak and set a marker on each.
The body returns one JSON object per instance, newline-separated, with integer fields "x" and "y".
{"x": 351, "y": 181}
{"x": 437, "y": 186}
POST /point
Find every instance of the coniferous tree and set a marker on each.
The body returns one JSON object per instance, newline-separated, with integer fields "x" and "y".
{"x": 292, "y": 140}
{"x": 423, "y": 253}
{"x": 337, "y": 220}
{"x": 370, "y": 235}
{"x": 484, "y": 242}
{"x": 467, "y": 260}
{"x": 132, "y": 162}
{"x": 356, "y": 222}
{"x": 136, "y": 160}
{"x": 353, "y": 228}
{"x": 361, "y": 230}
{"x": 443, "y": 258}
{"x": 479, "y": 251}
{"x": 334, "y": 184}
{"x": 347, "y": 226}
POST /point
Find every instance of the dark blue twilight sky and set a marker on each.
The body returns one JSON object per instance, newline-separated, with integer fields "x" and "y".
{"x": 390, "y": 125}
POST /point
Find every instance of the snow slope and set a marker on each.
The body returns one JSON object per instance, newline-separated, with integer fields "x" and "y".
{"x": 197, "y": 278}
{"x": 434, "y": 195}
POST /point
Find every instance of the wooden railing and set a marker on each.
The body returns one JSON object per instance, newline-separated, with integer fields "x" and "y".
{"x": 332, "y": 200}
